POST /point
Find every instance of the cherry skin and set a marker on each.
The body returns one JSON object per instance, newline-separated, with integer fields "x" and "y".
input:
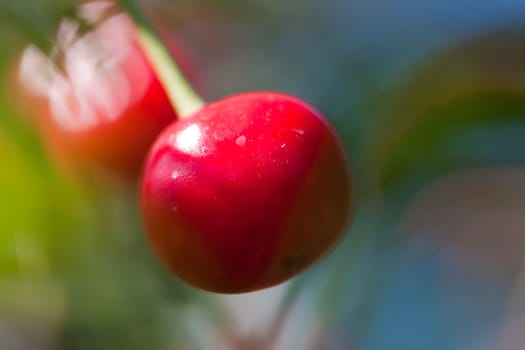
{"x": 100, "y": 103}
{"x": 246, "y": 192}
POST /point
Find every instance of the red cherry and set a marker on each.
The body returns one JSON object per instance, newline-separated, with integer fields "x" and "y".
{"x": 101, "y": 103}
{"x": 246, "y": 192}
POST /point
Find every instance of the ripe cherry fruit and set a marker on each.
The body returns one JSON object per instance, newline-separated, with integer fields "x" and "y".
{"x": 99, "y": 101}
{"x": 246, "y": 192}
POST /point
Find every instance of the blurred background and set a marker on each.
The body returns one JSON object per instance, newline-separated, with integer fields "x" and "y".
{"x": 429, "y": 100}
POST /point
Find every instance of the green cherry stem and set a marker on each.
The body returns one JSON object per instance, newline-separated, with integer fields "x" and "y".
{"x": 182, "y": 96}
